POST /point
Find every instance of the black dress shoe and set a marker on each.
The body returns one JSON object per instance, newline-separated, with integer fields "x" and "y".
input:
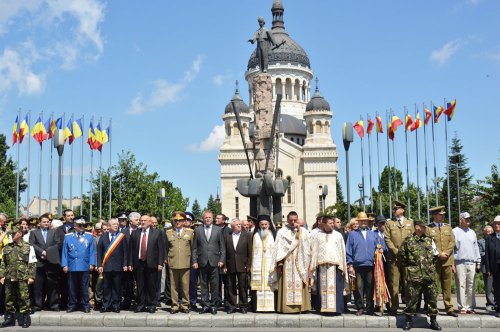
{"x": 214, "y": 311}
{"x": 55, "y": 309}
{"x": 152, "y": 310}
{"x": 138, "y": 309}
{"x": 103, "y": 310}
{"x": 117, "y": 310}
{"x": 86, "y": 310}
{"x": 360, "y": 312}
{"x": 244, "y": 310}
{"x": 70, "y": 310}
{"x": 205, "y": 310}
{"x": 497, "y": 314}
{"x": 231, "y": 310}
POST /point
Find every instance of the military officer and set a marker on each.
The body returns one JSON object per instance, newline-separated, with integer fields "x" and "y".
{"x": 396, "y": 230}
{"x": 418, "y": 253}
{"x": 16, "y": 273}
{"x": 179, "y": 244}
{"x": 442, "y": 235}
{"x": 77, "y": 260}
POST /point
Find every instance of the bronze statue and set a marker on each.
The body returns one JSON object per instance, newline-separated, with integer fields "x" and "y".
{"x": 265, "y": 43}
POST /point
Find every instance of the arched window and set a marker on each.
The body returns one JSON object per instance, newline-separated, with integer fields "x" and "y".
{"x": 289, "y": 191}
{"x": 245, "y": 129}
{"x": 311, "y": 128}
{"x": 296, "y": 90}
{"x": 327, "y": 127}
{"x": 288, "y": 89}
{"x": 235, "y": 129}
{"x": 279, "y": 87}
{"x": 318, "y": 127}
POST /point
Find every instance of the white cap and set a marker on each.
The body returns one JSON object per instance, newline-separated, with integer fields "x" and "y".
{"x": 497, "y": 219}
{"x": 464, "y": 215}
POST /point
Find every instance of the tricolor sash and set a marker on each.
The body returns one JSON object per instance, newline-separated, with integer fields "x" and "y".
{"x": 111, "y": 247}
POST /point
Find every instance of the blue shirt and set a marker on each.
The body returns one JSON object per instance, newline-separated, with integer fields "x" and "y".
{"x": 360, "y": 251}
{"x": 78, "y": 252}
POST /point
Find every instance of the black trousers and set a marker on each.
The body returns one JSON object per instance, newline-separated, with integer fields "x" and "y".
{"x": 496, "y": 288}
{"x": 223, "y": 285}
{"x": 45, "y": 286}
{"x": 63, "y": 290}
{"x": 146, "y": 280}
{"x": 209, "y": 280}
{"x": 364, "y": 287}
{"x": 128, "y": 287}
{"x": 237, "y": 288}
{"x": 112, "y": 284}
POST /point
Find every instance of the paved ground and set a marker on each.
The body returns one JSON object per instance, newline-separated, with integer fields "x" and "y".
{"x": 78, "y": 321}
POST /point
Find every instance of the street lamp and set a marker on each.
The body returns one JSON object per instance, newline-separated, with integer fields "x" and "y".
{"x": 59, "y": 145}
{"x": 361, "y": 196}
{"x": 162, "y": 196}
{"x": 347, "y": 137}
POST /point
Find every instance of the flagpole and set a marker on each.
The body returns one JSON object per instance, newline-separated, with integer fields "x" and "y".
{"x": 71, "y": 167}
{"x": 109, "y": 171}
{"x": 389, "y": 166}
{"x": 394, "y": 163}
{"x": 62, "y": 162}
{"x": 378, "y": 171}
{"x": 100, "y": 175}
{"x": 434, "y": 155}
{"x": 447, "y": 164}
{"x": 28, "y": 174}
{"x": 81, "y": 168}
{"x": 418, "y": 176}
{"x": 91, "y": 177}
{"x": 51, "y": 168}
{"x": 40, "y": 176}
{"x": 407, "y": 165}
{"x": 362, "y": 174}
{"x": 426, "y": 170}
{"x": 370, "y": 167}
{"x": 18, "y": 160}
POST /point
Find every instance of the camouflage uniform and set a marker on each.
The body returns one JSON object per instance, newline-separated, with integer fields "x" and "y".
{"x": 416, "y": 254}
{"x": 16, "y": 270}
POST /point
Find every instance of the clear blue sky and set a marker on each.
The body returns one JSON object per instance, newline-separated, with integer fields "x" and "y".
{"x": 165, "y": 70}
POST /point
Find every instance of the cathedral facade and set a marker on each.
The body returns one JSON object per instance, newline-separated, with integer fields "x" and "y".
{"x": 307, "y": 155}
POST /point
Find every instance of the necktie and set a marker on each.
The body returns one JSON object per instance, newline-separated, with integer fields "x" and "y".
{"x": 207, "y": 233}
{"x": 44, "y": 233}
{"x": 112, "y": 236}
{"x": 178, "y": 232}
{"x": 143, "y": 246}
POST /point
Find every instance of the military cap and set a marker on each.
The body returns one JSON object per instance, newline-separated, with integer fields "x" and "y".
{"x": 252, "y": 218}
{"x": 178, "y": 215}
{"x": 263, "y": 217}
{"x": 189, "y": 216}
{"x": 380, "y": 219}
{"x": 397, "y": 204}
{"x": 371, "y": 215}
{"x": 80, "y": 220}
{"x": 46, "y": 215}
{"x": 122, "y": 215}
{"x": 437, "y": 210}
{"x": 16, "y": 228}
{"x": 419, "y": 223}
{"x": 362, "y": 216}
{"x": 33, "y": 220}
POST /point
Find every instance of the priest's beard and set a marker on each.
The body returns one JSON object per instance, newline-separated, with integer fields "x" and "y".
{"x": 264, "y": 233}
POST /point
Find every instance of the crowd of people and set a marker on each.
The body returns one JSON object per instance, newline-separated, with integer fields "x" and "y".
{"x": 133, "y": 262}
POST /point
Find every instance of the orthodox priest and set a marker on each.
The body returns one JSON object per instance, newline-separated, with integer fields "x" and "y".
{"x": 290, "y": 266}
{"x": 329, "y": 268}
{"x": 262, "y": 252}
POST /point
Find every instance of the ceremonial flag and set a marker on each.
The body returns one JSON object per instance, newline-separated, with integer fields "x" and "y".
{"x": 408, "y": 122}
{"x": 23, "y": 129}
{"x": 379, "y": 124}
{"x": 67, "y": 131}
{"x": 59, "y": 124}
{"x": 417, "y": 123}
{"x": 428, "y": 115}
{"x": 437, "y": 113}
{"x": 396, "y": 122}
{"x": 39, "y": 132}
{"x": 91, "y": 138}
{"x": 360, "y": 128}
{"x": 370, "y": 126}
{"x": 105, "y": 135}
{"x": 450, "y": 109}
{"x": 15, "y": 132}
{"x": 53, "y": 128}
{"x": 391, "y": 131}
{"x": 77, "y": 130}
{"x": 98, "y": 137}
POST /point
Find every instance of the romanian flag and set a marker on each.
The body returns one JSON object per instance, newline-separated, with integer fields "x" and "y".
{"x": 77, "y": 130}
{"x": 428, "y": 115}
{"x": 105, "y": 136}
{"x": 98, "y": 137}
{"x": 408, "y": 122}
{"x": 15, "y": 132}
{"x": 379, "y": 124}
{"x": 417, "y": 123}
{"x": 390, "y": 131}
{"x": 24, "y": 129}
{"x": 39, "y": 132}
{"x": 91, "y": 138}
{"x": 396, "y": 122}
{"x": 360, "y": 128}
{"x": 437, "y": 113}
{"x": 67, "y": 131}
{"x": 53, "y": 128}
{"x": 370, "y": 127}
{"x": 450, "y": 109}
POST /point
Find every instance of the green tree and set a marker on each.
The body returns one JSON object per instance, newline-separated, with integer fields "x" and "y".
{"x": 487, "y": 202}
{"x": 196, "y": 209}
{"x": 133, "y": 189}
{"x": 339, "y": 209}
{"x": 457, "y": 164}
{"x": 8, "y": 174}
{"x": 214, "y": 205}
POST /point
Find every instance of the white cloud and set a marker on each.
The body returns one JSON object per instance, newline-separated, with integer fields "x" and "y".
{"x": 164, "y": 92}
{"x": 472, "y": 2}
{"x": 492, "y": 55}
{"x": 443, "y": 54}
{"x": 218, "y": 80}
{"x": 212, "y": 142}
{"x": 15, "y": 71}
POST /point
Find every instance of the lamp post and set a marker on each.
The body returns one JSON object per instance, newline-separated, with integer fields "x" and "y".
{"x": 162, "y": 196}
{"x": 361, "y": 197}
{"x": 59, "y": 145}
{"x": 347, "y": 137}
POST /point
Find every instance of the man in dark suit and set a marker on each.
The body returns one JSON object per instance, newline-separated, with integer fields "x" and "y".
{"x": 209, "y": 255}
{"x": 238, "y": 264}
{"x": 46, "y": 244}
{"x": 147, "y": 255}
{"x": 112, "y": 261}
{"x": 492, "y": 259}
{"x": 128, "y": 281}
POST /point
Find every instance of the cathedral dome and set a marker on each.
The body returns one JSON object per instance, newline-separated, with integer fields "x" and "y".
{"x": 290, "y": 125}
{"x": 317, "y": 102}
{"x": 239, "y": 104}
{"x": 289, "y": 51}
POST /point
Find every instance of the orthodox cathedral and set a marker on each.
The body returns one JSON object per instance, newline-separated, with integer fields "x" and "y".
{"x": 306, "y": 154}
